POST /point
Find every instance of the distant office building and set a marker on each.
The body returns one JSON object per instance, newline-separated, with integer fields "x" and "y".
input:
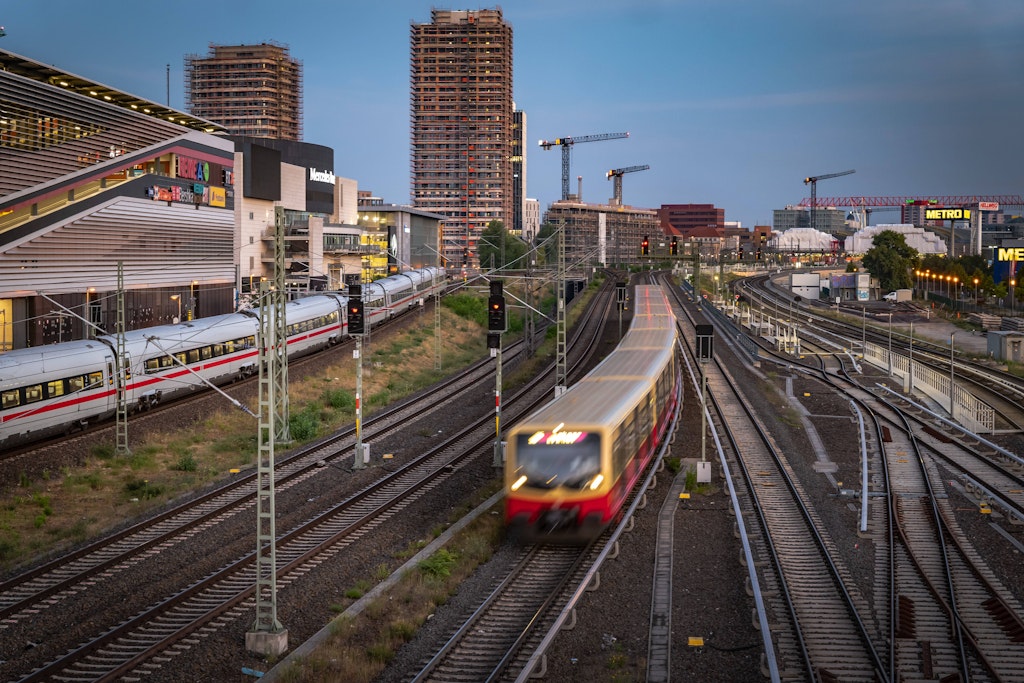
{"x": 462, "y": 121}
{"x": 518, "y": 159}
{"x": 599, "y": 234}
{"x": 531, "y": 219}
{"x": 252, "y": 90}
{"x": 828, "y": 220}
{"x": 680, "y": 219}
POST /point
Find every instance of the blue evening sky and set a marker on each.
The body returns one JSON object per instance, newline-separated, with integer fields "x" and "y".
{"x": 731, "y": 102}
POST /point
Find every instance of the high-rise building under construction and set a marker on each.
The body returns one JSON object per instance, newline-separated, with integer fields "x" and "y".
{"x": 461, "y": 120}
{"x": 252, "y": 90}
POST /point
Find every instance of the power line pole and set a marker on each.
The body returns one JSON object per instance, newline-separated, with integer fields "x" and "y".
{"x": 279, "y": 349}
{"x": 122, "y": 370}
{"x": 560, "y": 359}
{"x": 267, "y": 636}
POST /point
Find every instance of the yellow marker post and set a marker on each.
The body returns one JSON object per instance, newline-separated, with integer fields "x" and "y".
{"x": 696, "y": 641}
{"x": 684, "y": 496}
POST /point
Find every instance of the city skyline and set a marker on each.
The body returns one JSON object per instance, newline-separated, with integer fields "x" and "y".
{"x": 729, "y": 103}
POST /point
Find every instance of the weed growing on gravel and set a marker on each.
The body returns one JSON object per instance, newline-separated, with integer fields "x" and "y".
{"x": 360, "y": 647}
{"x": 439, "y": 565}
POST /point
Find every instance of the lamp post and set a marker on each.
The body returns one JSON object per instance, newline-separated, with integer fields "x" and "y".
{"x": 890, "y": 344}
{"x": 1013, "y": 286}
{"x": 975, "y": 293}
{"x": 177, "y": 297}
{"x": 956, "y": 292}
{"x": 863, "y": 329}
{"x": 952, "y": 375}
{"x": 910, "y": 369}
{"x": 192, "y": 299}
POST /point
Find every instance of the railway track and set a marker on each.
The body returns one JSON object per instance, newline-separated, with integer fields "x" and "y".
{"x": 816, "y": 611}
{"x": 140, "y": 642}
{"x": 953, "y": 616}
{"x": 950, "y": 615}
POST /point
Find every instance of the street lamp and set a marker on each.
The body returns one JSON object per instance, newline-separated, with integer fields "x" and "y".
{"x": 975, "y": 293}
{"x": 1013, "y": 286}
{"x": 890, "y": 343}
{"x": 952, "y": 377}
{"x": 863, "y": 329}
{"x": 177, "y": 297}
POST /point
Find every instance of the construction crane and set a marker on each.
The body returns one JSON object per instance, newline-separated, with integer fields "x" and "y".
{"x": 617, "y": 174}
{"x": 567, "y": 143}
{"x": 813, "y": 180}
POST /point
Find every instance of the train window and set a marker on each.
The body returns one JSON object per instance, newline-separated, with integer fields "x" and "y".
{"x": 94, "y": 380}
{"x": 250, "y": 342}
{"x": 548, "y": 466}
{"x": 218, "y": 350}
{"x": 10, "y": 399}
{"x": 182, "y": 359}
{"x": 193, "y": 355}
{"x": 206, "y": 353}
{"x": 76, "y": 383}
{"x": 34, "y": 393}
{"x": 333, "y": 317}
{"x": 152, "y": 364}
{"x": 55, "y": 388}
{"x": 629, "y": 435}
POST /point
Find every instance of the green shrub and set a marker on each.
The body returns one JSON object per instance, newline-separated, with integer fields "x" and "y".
{"x": 142, "y": 488}
{"x": 338, "y": 399}
{"x": 186, "y": 463}
{"x": 305, "y": 425}
{"x": 468, "y": 306}
{"x": 439, "y": 565}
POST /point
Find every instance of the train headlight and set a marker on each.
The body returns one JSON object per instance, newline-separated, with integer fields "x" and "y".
{"x": 596, "y": 484}
{"x": 518, "y": 483}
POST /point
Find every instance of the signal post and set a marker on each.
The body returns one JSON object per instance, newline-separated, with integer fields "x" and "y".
{"x": 497, "y": 323}
{"x": 357, "y": 328}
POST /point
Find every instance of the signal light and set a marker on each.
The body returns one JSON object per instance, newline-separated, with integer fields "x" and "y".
{"x": 644, "y": 247}
{"x": 741, "y": 253}
{"x": 674, "y": 247}
{"x": 497, "y": 320}
{"x": 356, "y": 321}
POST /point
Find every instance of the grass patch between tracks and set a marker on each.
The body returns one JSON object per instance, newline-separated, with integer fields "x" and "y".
{"x": 360, "y": 647}
{"x": 46, "y": 515}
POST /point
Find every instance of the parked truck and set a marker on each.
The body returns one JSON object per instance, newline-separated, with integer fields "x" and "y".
{"x": 899, "y": 295}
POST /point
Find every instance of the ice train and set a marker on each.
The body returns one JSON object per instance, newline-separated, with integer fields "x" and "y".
{"x": 48, "y": 390}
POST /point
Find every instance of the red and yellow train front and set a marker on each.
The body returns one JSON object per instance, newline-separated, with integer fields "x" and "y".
{"x": 557, "y": 485}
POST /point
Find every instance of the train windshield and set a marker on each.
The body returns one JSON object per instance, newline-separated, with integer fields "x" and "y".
{"x": 548, "y": 460}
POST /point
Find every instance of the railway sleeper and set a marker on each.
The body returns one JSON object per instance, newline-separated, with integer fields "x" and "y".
{"x": 748, "y": 587}
{"x": 1005, "y": 617}
{"x": 905, "y": 617}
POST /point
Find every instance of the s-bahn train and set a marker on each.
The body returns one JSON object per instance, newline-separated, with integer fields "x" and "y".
{"x": 570, "y": 466}
{"x": 48, "y": 390}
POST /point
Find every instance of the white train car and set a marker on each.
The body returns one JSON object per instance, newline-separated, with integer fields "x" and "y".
{"x": 53, "y": 389}
{"x": 170, "y": 360}
{"x": 50, "y": 390}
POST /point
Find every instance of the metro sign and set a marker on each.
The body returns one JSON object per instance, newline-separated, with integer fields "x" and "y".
{"x": 947, "y": 214}
{"x": 1010, "y": 254}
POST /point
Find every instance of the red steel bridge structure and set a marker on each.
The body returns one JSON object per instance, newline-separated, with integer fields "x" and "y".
{"x": 895, "y": 202}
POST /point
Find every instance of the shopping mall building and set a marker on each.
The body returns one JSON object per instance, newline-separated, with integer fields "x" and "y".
{"x": 97, "y": 184}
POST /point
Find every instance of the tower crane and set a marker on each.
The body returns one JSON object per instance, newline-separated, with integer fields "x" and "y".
{"x": 813, "y": 180}
{"x": 617, "y": 174}
{"x": 567, "y": 143}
